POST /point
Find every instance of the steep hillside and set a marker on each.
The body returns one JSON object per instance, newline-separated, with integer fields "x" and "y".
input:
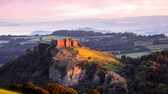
{"x": 96, "y": 56}
{"x": 68, "y": 66}
{"x": 76, "y": 61}
{"x": 33, "y": 66}
{"x": 83, "y": 53}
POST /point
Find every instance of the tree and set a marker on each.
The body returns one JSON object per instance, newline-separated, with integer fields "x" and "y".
{"x": 70, "y": 91}
{"x": 94, "y": 91}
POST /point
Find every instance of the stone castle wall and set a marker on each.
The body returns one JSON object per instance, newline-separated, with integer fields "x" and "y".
{"x": 74, "y": 43}
{"x": 68, "y": 42}
{"x": 60, "y": 43}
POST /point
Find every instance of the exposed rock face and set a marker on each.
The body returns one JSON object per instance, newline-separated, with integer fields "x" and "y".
{"x": 68, "y": 42}
{"x": 66, "y": 70}
{"x": 70, "y": 77}
{"x": 77, "y": 75}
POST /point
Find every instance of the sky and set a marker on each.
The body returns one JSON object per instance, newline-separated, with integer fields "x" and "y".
{"x": 19, "y": 17}
{"x": 38, "y": 10}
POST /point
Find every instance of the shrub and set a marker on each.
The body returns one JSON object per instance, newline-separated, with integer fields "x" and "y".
{"x": 70, "y": 91}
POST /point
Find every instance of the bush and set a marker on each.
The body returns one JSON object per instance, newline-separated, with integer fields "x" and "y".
{"x": 14, "y": 87}
{"x": 54, "y": 88}
{"x": 70, "y": 91}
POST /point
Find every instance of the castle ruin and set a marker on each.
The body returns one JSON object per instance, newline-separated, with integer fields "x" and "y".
{"x": 68, "y": 42}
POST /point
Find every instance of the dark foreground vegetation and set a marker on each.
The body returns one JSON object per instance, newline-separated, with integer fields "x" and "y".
{"x": 49, "y": 88}
{"x": 147, "y": 74}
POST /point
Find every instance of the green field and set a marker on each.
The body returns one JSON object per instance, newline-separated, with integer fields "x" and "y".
{"x": 143, "y": 43}
{"x": 113, "y": 67}
{"x": 158, "y": 47}
{"x": 22, "y": 37}
{"x": 134, "y": 55}
{"x": 45, "y": 38}
{"x": 3, "y": 41}
{"x": 35, "y": 39}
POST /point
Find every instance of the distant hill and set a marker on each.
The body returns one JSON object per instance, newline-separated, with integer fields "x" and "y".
{"x": 95, "y": 30}
{"x": 141, "y": 25}
{"x": 76, "y": 33}
{"x": 40, "y": 32}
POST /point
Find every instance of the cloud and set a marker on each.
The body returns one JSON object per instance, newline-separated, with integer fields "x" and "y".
{"x": 71, "y": 9}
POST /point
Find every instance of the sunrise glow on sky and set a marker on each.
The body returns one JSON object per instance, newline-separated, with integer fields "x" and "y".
{"x": 79, "y": 9}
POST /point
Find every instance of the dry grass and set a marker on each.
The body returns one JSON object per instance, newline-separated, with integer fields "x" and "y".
{"x": 3, "y": 91}
{"x": 88, "y": 54}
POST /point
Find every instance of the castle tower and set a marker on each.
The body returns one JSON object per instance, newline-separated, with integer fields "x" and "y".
{"x": 67, "y": 42}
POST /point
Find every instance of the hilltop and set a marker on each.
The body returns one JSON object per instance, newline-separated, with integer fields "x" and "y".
{"x": 68, "y": 66}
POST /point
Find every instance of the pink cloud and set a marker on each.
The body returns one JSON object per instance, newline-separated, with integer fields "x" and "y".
{"x": 71, "y": 9}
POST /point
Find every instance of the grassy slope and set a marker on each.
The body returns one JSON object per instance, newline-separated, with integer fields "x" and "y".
{"x": 107, "y": 61}
{"x": 3, "y": 91}
{"x": 113, "y": 67}
{"x": 96, "y": 56}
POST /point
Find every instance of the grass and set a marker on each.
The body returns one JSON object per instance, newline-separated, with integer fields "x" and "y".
{"x": 107, "y": 61}
{"x": 96, "y": 56}
{"x": 143, "y": 43}
{"x": 46, "y": 38}
{"x": 33, "y": 39}
{"x": 113, "y": 67}
{"x": 3, "y": 91}
{"x": 134, "y": 55}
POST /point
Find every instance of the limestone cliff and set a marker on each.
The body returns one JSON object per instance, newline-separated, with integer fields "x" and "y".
{"x": 67, "y": 68}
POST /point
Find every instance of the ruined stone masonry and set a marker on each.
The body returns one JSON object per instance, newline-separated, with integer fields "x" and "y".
{"x": 68, "y": 42}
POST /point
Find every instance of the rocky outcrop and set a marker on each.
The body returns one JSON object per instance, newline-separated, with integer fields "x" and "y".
{"x": 70, "y": 77}
{"x": 68, "y": 70}
{"x": 76, "y": 74}
{"x": 46, "y": 63}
